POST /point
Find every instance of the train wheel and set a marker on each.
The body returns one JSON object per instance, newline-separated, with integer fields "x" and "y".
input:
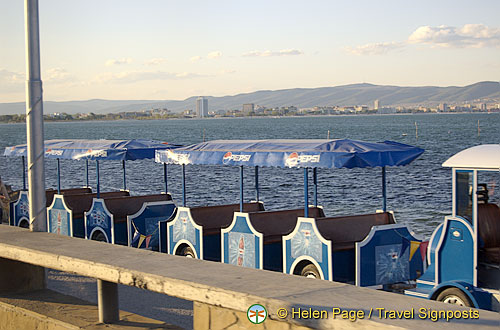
{"x": 187, "y": 252}
{"x": 99, "y": 236}
{"x": 310, "y": 271}
{"x": 454, "y": 296}
{"x": 24, "y": 224}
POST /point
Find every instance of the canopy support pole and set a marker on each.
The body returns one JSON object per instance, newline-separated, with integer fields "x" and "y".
{"x": 58, "y": 177}
{"x": 97, "y": 177}
{"x": 315, "y": 181}
{"x": 24, "y": 173}
{"x": 257, "y": 183}
{"x": 34, "y": 120}
{"x": 241, "y": 188}
{"x": 184, "y": 185}
{"x": 384, "y": 190}
{"x": 124, "y": 176}
{"x": 87, "y": 173}
{"x": 306, "y": 193}
{"x": 165, "y": 177}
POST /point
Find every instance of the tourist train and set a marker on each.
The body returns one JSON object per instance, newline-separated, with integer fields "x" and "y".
{"x": 460, "y": 264}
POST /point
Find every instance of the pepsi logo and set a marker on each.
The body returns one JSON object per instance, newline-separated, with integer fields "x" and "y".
{"x": 294, "y": 159}
{"x": 228, "y": 156}
{"x": 53, "y": 152}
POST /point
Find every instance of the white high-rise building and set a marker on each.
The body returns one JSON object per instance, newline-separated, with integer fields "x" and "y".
{"x": 376, "y": 104}
{"x": 201, "y": 107}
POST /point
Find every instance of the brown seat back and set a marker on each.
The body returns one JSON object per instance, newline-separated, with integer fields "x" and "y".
{"x": 488, "y": 216}
{"x": 83, "y": 202}
{"x": 220, "y": 216}
{"x": 345, "y": 231}
{"x": 49, "y": 193}
{"x": 121, "y": 207}
{"x": 274, "y": 224}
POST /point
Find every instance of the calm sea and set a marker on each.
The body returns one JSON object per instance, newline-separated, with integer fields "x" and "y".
{"x": 420, "y": 194}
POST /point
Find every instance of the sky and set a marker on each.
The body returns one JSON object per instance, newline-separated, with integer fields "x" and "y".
{"x": 172, "y": 49}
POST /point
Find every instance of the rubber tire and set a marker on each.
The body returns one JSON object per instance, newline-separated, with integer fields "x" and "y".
{"x": 187, "y": 252}
{"x": 446, "y": 293}
{"x": 24, "y": 224}
{"x": 99, "y": 236}
{"x": 310, "y": 271}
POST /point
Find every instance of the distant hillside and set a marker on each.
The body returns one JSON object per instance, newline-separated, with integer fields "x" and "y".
{"x": 356, "y": 94}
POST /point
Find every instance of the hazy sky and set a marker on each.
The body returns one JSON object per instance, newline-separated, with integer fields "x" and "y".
{"x": 166, "y": 49}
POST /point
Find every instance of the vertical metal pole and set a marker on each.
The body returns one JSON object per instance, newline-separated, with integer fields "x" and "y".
{"x": 124, "y": 176}
{"x": 58, "y": 176}
{"x": 306, "y": 193}
{"x": 165, "y": 177}
{"x": 315, "y": 181}
{"x": 97, "y": 178}
{"x": 241, "y": 188}
{"x": 24, "y": 173}
{"x": 257, "y": 183}
{"x": 87, "y": 172}
{"x": 384, "y": 190}
{"x": 107, "y": 301}
{"x": 183, "y": 185}
{"x": 34, "y": 120}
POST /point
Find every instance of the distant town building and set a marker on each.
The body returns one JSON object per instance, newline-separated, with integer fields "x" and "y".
{"x": 188, "y": 113}
{"x": 376, "y": 104}
{"x": 443, "y": 107}
{"x": 248, "y": 108}
{"x": 386, "y": 110}
{"x": 202, "y": 107}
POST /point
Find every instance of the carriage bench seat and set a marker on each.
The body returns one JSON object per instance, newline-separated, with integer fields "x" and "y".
{"x": 344, "y": 232}
{"x": 49, "y": 193}
{"x": 488, "y": 216}
{"x": 274, "y": 224}
{"x": 121, "y": 207}
{"x": 213, "y": 218}
{"x": 83, "y": 202}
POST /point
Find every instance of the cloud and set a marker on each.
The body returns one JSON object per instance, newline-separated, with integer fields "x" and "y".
{"x": 155, "y": 61}
{"x": 195, "y": 58}
{"x": 115, "y": 61}
{"x": 213, "y": 55}
{"x": 469, "y": 35}
{"x": 135, "y": 76}
{"x": 56, "y": 75}
{"x": 267, "y": 53}
{"x": 11, "y": 81}
{"x": 374, "y": 48}
{"x": 228, "y": 71}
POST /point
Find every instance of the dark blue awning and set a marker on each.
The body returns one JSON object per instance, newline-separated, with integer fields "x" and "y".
{"x": 341, "y": 153}
{"x": 96, "y": 149}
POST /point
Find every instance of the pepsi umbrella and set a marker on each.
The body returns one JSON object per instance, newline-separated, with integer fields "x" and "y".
{"x": 340, "y": 153}
{"x": 95, "y": 150}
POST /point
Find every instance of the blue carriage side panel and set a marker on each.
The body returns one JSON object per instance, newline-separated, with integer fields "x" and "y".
{"x": 183, "y": 230}
{"x": 241, "y": 244}
{"x": 143, "y": 226}
{"x": 20, "y": 209}
{"x": 455, "y": 253}
{"x": 428, "y": 279}
{"x": 307, "y": 243}
{"x": 384, "y": 256}
{"x": 59, "y": 217}
{"x": 98, "y": 218}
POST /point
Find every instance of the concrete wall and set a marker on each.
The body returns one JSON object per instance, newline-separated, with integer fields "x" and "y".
{"x": 223, "y": 293}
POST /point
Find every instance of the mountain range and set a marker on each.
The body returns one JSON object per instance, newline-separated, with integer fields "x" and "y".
{"x": 346, "y": 95}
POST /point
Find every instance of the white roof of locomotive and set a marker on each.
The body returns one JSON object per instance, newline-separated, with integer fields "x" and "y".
{"x": 482, "y": 157}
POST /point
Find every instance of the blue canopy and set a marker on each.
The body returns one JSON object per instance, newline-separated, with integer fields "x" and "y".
{"x": 96, "y": 149}
{"x": 341, "y": 153}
